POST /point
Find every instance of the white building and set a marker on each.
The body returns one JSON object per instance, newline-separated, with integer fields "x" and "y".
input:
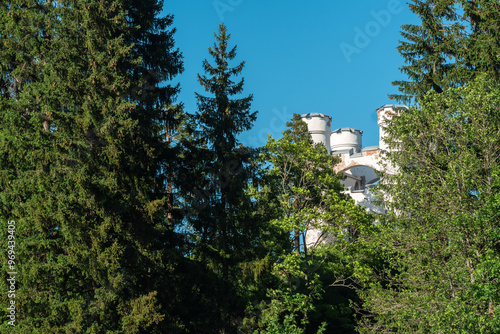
{"x": 359, "y": 164}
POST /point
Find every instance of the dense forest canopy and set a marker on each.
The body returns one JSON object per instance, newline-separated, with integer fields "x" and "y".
{"x": 124, "y": 213}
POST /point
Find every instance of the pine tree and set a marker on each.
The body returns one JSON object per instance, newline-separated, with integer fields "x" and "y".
{"x": 481, "y": 33}
{"x": 428, "y": 49}
{"x": 435, "y": 242}
{"x": 218, "y": 209}
{"x": 81, "y": 163}
{"x": 455, "y": 41}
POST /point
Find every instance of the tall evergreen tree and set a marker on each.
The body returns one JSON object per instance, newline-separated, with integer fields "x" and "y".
{"x": 481, "y": 35}
{"x": 435, "y": 242}
{"x": 455, "y": 41}
{"x": 428, "y": 50}
{"x": 219, "y": 210}
{"x": 82, "y": 152}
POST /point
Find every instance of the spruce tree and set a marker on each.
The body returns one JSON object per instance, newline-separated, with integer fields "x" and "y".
{"x": 80, "y": 136}
{"x": 435, "y": 241}
{"x": 428, "y": 49}
{"x": 455, "y": 41}
{"x": 480, "y": 35}
{"x": 218, "y": 209}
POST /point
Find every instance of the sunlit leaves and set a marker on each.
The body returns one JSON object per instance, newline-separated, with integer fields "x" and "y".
{"x": 438, "y": 242}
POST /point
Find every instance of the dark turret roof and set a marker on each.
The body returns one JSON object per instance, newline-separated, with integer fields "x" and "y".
{"x": 393, "y": 106}
{"x": 314, "y": 114}
{"x": 347, "y": 129}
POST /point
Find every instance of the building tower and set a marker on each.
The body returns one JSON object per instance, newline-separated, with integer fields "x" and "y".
{"x": 320, "y": 127}
{"x": 346, "y": 139}
{"x": 385, "y": 115}
{"x": 359, "y": 165}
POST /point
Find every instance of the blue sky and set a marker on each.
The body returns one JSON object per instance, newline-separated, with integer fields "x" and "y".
{"x": 334, "y": 57}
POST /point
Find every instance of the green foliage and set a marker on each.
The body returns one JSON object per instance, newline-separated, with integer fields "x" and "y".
{"x": 427, "y": 49}
{"x": 132, "y": 217}
{"x": 223, "y": 231}
{"x": 440, "y": 246}
{"x": 439, "y": 236}
{"x": 455, "y": 41}
{"x": 317, "y": 231}
{"x": 80, "y": 168}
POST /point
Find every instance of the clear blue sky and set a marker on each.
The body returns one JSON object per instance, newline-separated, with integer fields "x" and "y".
{"x": 327, "y": 56}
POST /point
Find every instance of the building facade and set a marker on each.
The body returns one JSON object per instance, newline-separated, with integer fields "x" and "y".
{"x": 360, "y": 165}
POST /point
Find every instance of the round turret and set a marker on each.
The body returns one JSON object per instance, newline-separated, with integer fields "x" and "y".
{"x": 385, "y": 114}
{"x": 346, "y": 139}
{"x": 319, "y": 126}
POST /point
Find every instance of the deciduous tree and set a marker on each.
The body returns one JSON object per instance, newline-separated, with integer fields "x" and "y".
{"x": 314, "y": 269}
{"x": 440, "y": 244}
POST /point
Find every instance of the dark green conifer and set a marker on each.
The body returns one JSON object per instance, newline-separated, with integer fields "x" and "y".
{"x": 218, "y": 208}
{"x": 80, "y": 163}
{"x": 435, "y": 240}
{"x": 427, "y": 50}
{"x": 454, "y": 42}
